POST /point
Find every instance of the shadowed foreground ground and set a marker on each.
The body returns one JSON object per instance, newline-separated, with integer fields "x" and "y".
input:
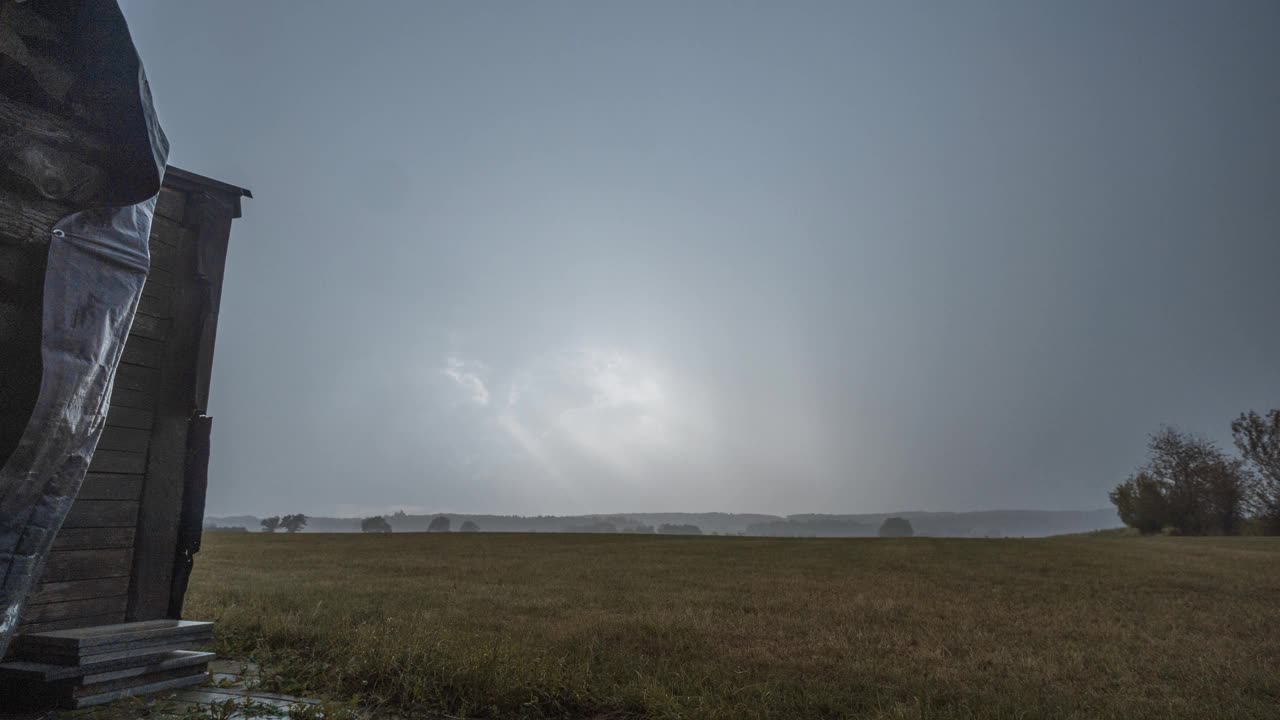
{"x": 507, "y": 626}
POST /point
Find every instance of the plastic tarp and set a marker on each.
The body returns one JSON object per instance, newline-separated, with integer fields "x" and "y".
{"x": 96, "y": 267}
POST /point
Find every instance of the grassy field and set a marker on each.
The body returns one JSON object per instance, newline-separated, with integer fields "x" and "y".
{"x": 613, "y": 626}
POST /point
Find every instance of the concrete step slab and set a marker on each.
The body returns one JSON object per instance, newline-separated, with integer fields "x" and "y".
{"x": 80, "y": 640}
{"x": 137, "y": 649}
{"x": 27, "y": 671}
{"x": 144, "y": 689}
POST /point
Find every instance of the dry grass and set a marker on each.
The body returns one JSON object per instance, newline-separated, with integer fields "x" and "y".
{"x": 594, "y": 626}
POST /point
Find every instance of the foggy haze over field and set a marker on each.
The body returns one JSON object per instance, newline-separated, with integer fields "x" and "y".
{"x": 779, "y": 258}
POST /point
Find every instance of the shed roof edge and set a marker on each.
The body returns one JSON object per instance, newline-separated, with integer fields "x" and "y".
{"x": 195, "y": 178}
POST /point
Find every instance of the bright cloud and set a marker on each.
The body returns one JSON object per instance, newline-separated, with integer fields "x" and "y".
{"x": 586, "y": 415}
{"x": 467, "y": 376}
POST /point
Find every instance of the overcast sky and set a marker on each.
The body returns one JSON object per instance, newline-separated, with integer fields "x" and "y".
{"x": 545, "y": 257}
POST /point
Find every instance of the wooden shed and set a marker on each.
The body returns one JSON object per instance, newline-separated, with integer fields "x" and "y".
{"x": 125, "y": 550}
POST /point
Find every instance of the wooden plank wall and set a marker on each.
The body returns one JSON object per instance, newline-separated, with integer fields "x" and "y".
{"x": 165, "y": 471}
{"x": 87, "y": 578}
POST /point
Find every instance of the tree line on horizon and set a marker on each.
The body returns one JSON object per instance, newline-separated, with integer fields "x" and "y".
{"x": 891, "y": 527}
{"x": 443, "y": 523}
{"x": 1190, "y": 486}
{"x": 993, "y": 523}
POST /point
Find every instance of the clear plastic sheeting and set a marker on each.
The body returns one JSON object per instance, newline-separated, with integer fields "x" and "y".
{"x": 97, "y": 265}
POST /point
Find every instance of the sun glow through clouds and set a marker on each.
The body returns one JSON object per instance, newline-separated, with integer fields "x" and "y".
{"x": 603, "y": 408}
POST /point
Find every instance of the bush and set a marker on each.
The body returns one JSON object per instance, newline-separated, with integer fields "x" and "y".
{"x": 469, "y": 526}
{"x": 439, "y": 523}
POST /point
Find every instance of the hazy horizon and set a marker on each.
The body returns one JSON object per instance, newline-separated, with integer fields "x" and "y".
{"x": 356, "y": 512}
{"x": 562, "y": 257}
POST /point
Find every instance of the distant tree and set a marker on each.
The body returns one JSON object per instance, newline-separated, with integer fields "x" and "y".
{"x": 676, "y": 529}
{"x": 1188, "y": 486}
{"x": 469, "y": 526}
{"x": 896, "y": 527}
{"x": 271, "y": 524}
{"x": 439, "y": 523}
{"x": 375, "y": 524}
{"x": 1257, "y": 437}
{"x": 293, "y": 523}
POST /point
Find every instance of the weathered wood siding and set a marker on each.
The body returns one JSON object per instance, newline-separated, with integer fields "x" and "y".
{"x": 115, "y": 555}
